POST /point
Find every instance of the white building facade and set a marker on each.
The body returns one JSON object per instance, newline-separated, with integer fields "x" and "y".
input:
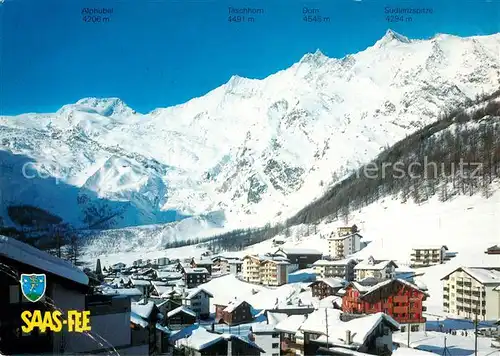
{"x": 340, "y": 247}
{"x": 267, "y": 338}
{"x": 371, "y": 268}
{"x": 424, "y": 256}
{"x": 198, "y": 300}
{"x": 468, "y": 292}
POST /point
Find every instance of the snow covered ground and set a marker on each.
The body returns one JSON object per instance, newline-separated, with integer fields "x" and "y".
{"x": 456, "y": 345}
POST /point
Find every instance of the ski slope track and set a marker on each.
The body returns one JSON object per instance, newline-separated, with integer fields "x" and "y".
{"x": 250, "y": 151}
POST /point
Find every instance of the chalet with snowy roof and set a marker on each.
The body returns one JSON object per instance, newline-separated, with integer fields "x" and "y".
{"x": 147, "y": 272}
{"x": 143, "y": 285}
{"x": 168, "y": 275}
{"x": 468, "y": 291}
{"x": 198, "y": 300}
{"x": 397, "y": 298}
{"x": 220, "y": 265}
{"x": 180, "y": 317}
{"x": 206, "y": 263}
{"x": 292, "y": 339}
{"x": 378, "y": 269}
{"x": 144, "y": 316}
{"x": 268, "y": 270}
{"x": 369, "y": 334}
{"x": 193, "y": 277}
{"x": 343, "y": 246}
{"x": 300, "y": 258}
{"x": 235, "y": 312}
{"x": 428, "y": 255}
{"x": 133, "y": 293}
{"x": 326, "y": 287}
{"x": 199, "y": 341}
{"x": 267, "y": 337}
{"x": 165, "y": 305}
{"x": 343, "y": 269}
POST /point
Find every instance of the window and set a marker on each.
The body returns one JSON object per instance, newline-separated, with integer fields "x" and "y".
{"x": 14, "y": 294}
{"x": 275, "y": 335}
{"x": 275, "y": 345}
{"x": 415, "y": 328}
{"x": 403, "y": 329}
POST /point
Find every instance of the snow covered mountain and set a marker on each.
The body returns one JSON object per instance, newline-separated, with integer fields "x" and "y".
{"x": 253, "y": 149}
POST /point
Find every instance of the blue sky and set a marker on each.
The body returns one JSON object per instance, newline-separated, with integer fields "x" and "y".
{"x": 161, "y": 53}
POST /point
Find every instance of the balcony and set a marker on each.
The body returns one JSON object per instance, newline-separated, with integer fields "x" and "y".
{"x": 400, "y": 310}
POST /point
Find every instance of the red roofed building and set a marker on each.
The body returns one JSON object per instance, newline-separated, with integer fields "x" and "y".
{"x": 402, "y": 300}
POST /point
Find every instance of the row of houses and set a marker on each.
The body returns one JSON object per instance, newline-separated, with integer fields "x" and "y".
{"x": 351, "y": 269}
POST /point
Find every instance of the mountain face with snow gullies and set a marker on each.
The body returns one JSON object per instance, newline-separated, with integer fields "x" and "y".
{"x": 252, "y": 149}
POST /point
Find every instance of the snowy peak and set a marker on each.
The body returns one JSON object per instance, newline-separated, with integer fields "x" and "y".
{"x": 252, "y": 146}
{"x": 317, "y": 58}
{"x": 390, "y": 37}
{"x": 107, "y": 107}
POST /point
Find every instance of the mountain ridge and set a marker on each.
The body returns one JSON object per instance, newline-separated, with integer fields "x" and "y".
{"x": 257, "y": 148}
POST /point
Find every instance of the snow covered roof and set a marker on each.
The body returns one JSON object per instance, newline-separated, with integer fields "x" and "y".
{"x": 140, "y": 282}
{"x": 195, "y": 270}
{"x": 405, "y": 351}
{"x": 200, "y": 339}
{"x": 122, "y": 291}
{"x": 168, "y": 274}
{"x": 269, "y": 258}
{"x": 291, "y": 324}
{"x": 24, "y": 253}
{"x": 203, "y": 261}
{"x": 366, "y": 290}
{"x": 360, "y": 328}
{"x": 144, "y": 310}
{"x": 275, "y": 318}
{"x": 182, "y": 308}
{"x": 235, "y": 261}
{"x": 430, "y": 247}
{"x": 161, "y": 290}
{"x": 163, "y": 329}
{"x": 343, "y": 237}
{"x": 169, "y": 293}
{"x": 263, "y": 328}
{"x": 233, "y": 304}
{"x": 332, "y": 301}
{"x": 299, "y": 251}
{"x": 378, "y": 265}
{"x": 332, "y": 282}
{"x": 195, "y": 291}
{"x": 482, "y": 275}
{"x": 136, "y": 319}
{"x": 333, "y": 263}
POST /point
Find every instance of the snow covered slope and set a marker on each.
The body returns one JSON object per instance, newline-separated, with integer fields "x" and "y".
{"x": 253, "y": 148}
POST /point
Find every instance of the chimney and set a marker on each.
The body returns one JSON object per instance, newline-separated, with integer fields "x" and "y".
{"x": 213, "y": 327}
{"x": 348, "y": 337}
